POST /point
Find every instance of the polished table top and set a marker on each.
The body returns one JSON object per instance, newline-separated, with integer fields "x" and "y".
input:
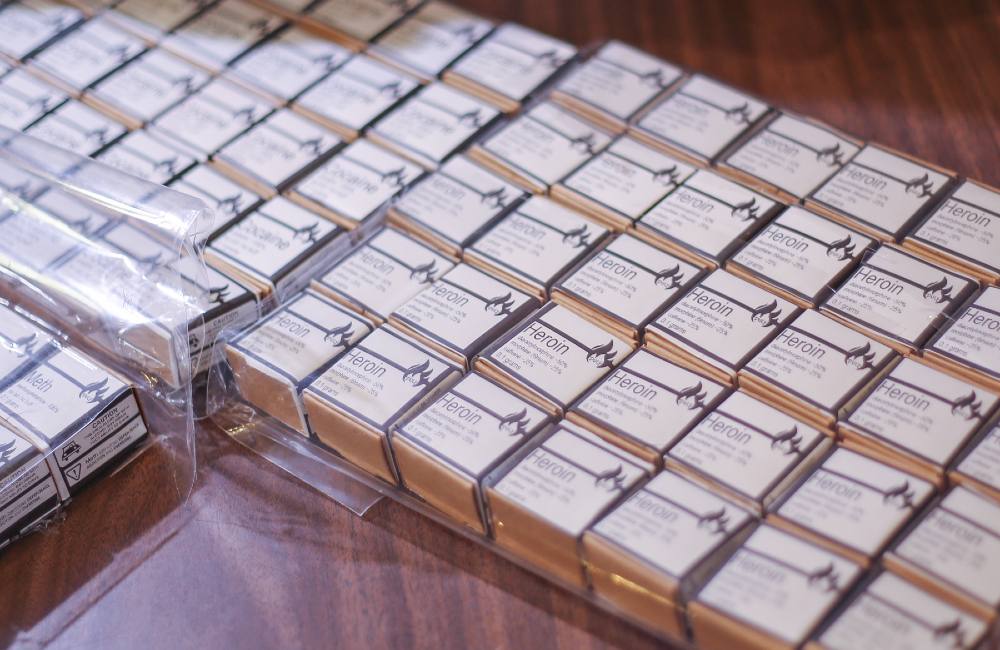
{"x": 255, "y": 558}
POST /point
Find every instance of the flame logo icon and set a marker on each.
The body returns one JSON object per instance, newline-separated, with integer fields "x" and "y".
{"x": 825, "y": 579}
{"x": 261, "y": 26}
{"x": 601, "y": 356}
{"x": 967, "y": 407}
{"x": 953, "y": 630}
{"x": 6, "y": 451}
{"x": 216, "y": 295}
{"x": 831, "y": 156}
{"x": 938, "y": 291}
{"x": 920, "y": 187}
{"x": 328, "y": 61}
{"x": 612, "y": 480}
{"x": 100, "y": 135}
{"x": 716, "y": 521}
{"x": 23, "y": 346}
{"x": 339, "y": 336}
{"x": 307, "y": 234}
{"x": 418, "y": 375}
{"x": 95, "y": 392}
{"x": 394, "y": 177}
{"x": 666, "y": 177}
{"x": 788, "y": 441}
{"x": 495, "y": 199}
{"x": 842, "y": 249}
{"x": 901, "y": 495}
{"x": 81, "y": 225}
{"x": 549, "y": 58}
{"x": 577, "y": 238}
{"x": 471, "y": 119}
{"x": 745, "y": 211}
{"x": 391, "y": 90}
{"x": 653, "y": 78}
{"x": 150, "y": 262}
{"x": 669, "y": 278}
{"x": 860, "y": 357}
{"x": 691, "y": 397}
{"x": 514, "y": 424}
{"x": 499, "y": 306}
{"x": 313, "y": 146}
{"x": 230, "y": 204}
{"x": 424, "y": 273}
{"x": 739, "y": 114}
{"x": 583, "y": 144}
{"x": 186, "y": 83}
{"x": 468, "y": 33}
{"x": 244, "y": 114}
{"x": 766, "y": 315}
{"x": 168, "y": 166}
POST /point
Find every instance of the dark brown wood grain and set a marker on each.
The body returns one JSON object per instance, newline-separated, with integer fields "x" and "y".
{"x": 257, "y": 559}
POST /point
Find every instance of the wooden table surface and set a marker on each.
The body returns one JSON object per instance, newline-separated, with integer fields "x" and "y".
{"x": 257, "y": 559}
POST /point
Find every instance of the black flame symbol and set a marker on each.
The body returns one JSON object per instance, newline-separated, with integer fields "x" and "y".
{"x": 169, "y": 165}
{"x": 395, "y": 177}
{"x": 921, "y": 186}
{"x": 95, "y": 392}
{"x": 667, "y": 176}
{"x": 339, "y": 336}
{"x": 739, "y": 114}
{"x": 653, "y": 78}
{"x": 81, "y": 225}
{"x": 765, "y": 315}
{"x": 745, "y": 211}
{"x": 119, "y": 52}
{"x": 467, "y": 32}
{"x": 6, "y": 450}
{"x": 471, "y": 119}
{"x": 967, "y": 406}
{"x": 953, "y": 630}
{"x": 216, "y": 295}
{"x": 261, "y": 26}
{"x": 831, "y": 156}
{"x": 499, "y": 306}
{"x": 826, "y": 578}
{"x": 328, "y": 61}
{"x": 613, "y": 479}
{"x": 788, "y": 441}
{"x": 716, "y": 521}
{"x": 392, "y": 90}
{"x": 418, "y": 374}
{"x": 602, "y": 356}
{"x": 577, "y": 238}
{"x": 691, "y": 397}
{"x": 860, "y": 357}
{"x": 583, "y": 144}
{"x": 307, "y": 234}
{"x": 842, "y": 249}
{"x": 669, "y": 278}
{"x": 424, "y": 273}
{"x": 150, "y": 261}
{"x": 245, "y": 114}
{"x": 938, "y": 291}
{"x": 549, "y": 58}
{"x": 495, "y": 199}
{"x": 902, "y": 494}
{"x": 99, "y": 134}
{"x": 313, "y": 146}
{"x": 186, "y": 83}
{"x": 514, "y": 424}
{"x": 23, "y": 346}
{"x": 230, "y": 204}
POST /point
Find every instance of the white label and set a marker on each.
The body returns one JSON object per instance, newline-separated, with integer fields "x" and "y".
{"x": 628, "y": 178}
{"x": 793, "y": 154}
{"x": 966, "y": 225}
{"x": 20, "y": 341}
{"x": 924, "y": 411}
{"x": 213, "y": 116}
{"x": 432, "y": 37}
{"x": 154, "y": 19}
{"x": 619, "y": 80}
{"x": 780, "y": 584}
{"x": 856, "y": 501}
{"x": 819, "y": 361}
{"x": 881, "y": 189}
{"x": 76, "y": 127}
{"x": 892, "y": 614}
{"x": 707, "y": 214}
{"x": 27, "y": 25}
{"x": 275, "y": 150}
{"x": 302, "y": 336}
{"x": 386, "y": 271}
{"x": 559, "y": 354}
{"x": 570, "y": 478}
{"x": 357, "y": 93}
{"x": 458, "y": 200}
{"x": 630, "y": 280}
{"x": 514, "y": 61}
{"x": 358, "y": 180}
{"x": 362, "y": 19}
{"x": 474, "y": 425}
{"x": 34, "y": 240}
{"x": 724, "y": 320}
{"x": 288, "y": 64}
{"x": 85, "y": 55}
{"x": 101, "y": 442}
{"x": 379, "y": 378}
{"x": 539, "y": 240}
{"x": 24, "y": 490}
{"x": 983, "y": 461}
{"x": 464, "y": 309}
{"x": 150, "y": 85}
{"x": 702, "y": 116}
{"x": 24, "y": 98}
{"x": 86, "y": 218}
{"x": 803, "y": 252}
{"x": 435, "y": 122}
{"x": 227, "y": 200}
{"x": 672, "y": 524}
{"x": 146, "y": 155}
{"x": 898, "y": 295}
{"x": 650, "y": 400}
{"x": 222, "y": 32}
{"x": 546, "y": 143}
{"x": 973, "y": 337}
{"x": 746, "y": 445}
{"x": 958, "y": 542}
